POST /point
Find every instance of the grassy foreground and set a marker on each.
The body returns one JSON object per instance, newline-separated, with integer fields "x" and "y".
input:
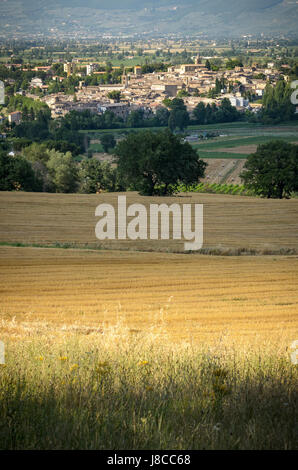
{"x": 111, "y": 390}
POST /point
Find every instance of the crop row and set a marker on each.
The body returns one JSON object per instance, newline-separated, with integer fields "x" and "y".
{"x": 216, "y": 188}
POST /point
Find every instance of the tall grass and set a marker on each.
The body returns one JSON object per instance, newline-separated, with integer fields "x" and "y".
{"x": 118, "y": 390}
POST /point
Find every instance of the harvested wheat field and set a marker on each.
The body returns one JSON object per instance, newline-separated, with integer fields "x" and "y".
{"x": 230, "y": 222}
{"x": 186, "y": 296}
{"x": 192, "y": 298}
{"x": 135, "y": 349}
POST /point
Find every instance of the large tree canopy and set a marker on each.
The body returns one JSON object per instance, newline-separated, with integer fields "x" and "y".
{"x": 96, "y": 176}
{"x": 63, "y": 171}
{"x": 273, "y": 170}
{"x": 16, "y": 174}
{"x": 179, "y": 116}
{"x": 153, "y": 161}
{"x": 277, "y": 106}
{"x": 107, "y": 141}
{"x": 211, "y": 113}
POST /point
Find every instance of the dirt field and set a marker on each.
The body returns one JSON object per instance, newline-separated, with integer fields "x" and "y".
{"x": 223, "y": 171}
{"x": 245, "y": 149}
{"x": 229, "y": 221}
{"x": 201, "y": 298}
{"x": 185, "y": 296}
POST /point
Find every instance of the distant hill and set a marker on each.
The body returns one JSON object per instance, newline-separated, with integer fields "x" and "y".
{"x": 217, "y": 17}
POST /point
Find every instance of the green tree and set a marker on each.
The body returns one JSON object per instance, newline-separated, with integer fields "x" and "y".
{"x": 96, "y": 176}
{"x": 63, "y": 171}
{"x": 179, "y": 116}
{"x": 162, "y": 115}
{"x": 212, "y": 93}
{"x": 200, "y": 113}
{"x": 167, "y": 102}
{"x": 25, "y": 115}
{"x": 36, "y": 152}
{"x": 107, "y": 141}
{"x": 272, "y": 171}
{"x": 172, "y": 122}
{"x": 209, "y": 112}
{"x": 231, "y": 64}
{"x": 182, "y": 93}
{"x": 277, "y": 106}
{"x": 115, "y": 95}
{"x": 38, "y": 155}
{"x": 90, "y": 175}
{"x": 16, "y": 173}
{"x": 176, "y": 103}
{"x": 152, "y": 162}
{"x": 226, "y": 112}
{"x": 135, "y": 119}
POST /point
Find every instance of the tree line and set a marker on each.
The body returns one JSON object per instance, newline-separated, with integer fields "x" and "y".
{"x": 161, "y": 160}
{"x": 152, "y": 163}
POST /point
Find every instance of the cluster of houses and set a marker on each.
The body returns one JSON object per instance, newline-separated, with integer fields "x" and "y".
{"x": 147, "y": 92}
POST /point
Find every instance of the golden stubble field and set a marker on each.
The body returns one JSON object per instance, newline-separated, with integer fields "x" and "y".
{"x": 195, "y": 298}
{"x": 192, "y": 297}
{"x": 229, "y": 221}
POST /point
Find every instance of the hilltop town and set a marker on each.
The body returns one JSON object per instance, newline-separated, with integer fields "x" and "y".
{"x": 194, "y": 82}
